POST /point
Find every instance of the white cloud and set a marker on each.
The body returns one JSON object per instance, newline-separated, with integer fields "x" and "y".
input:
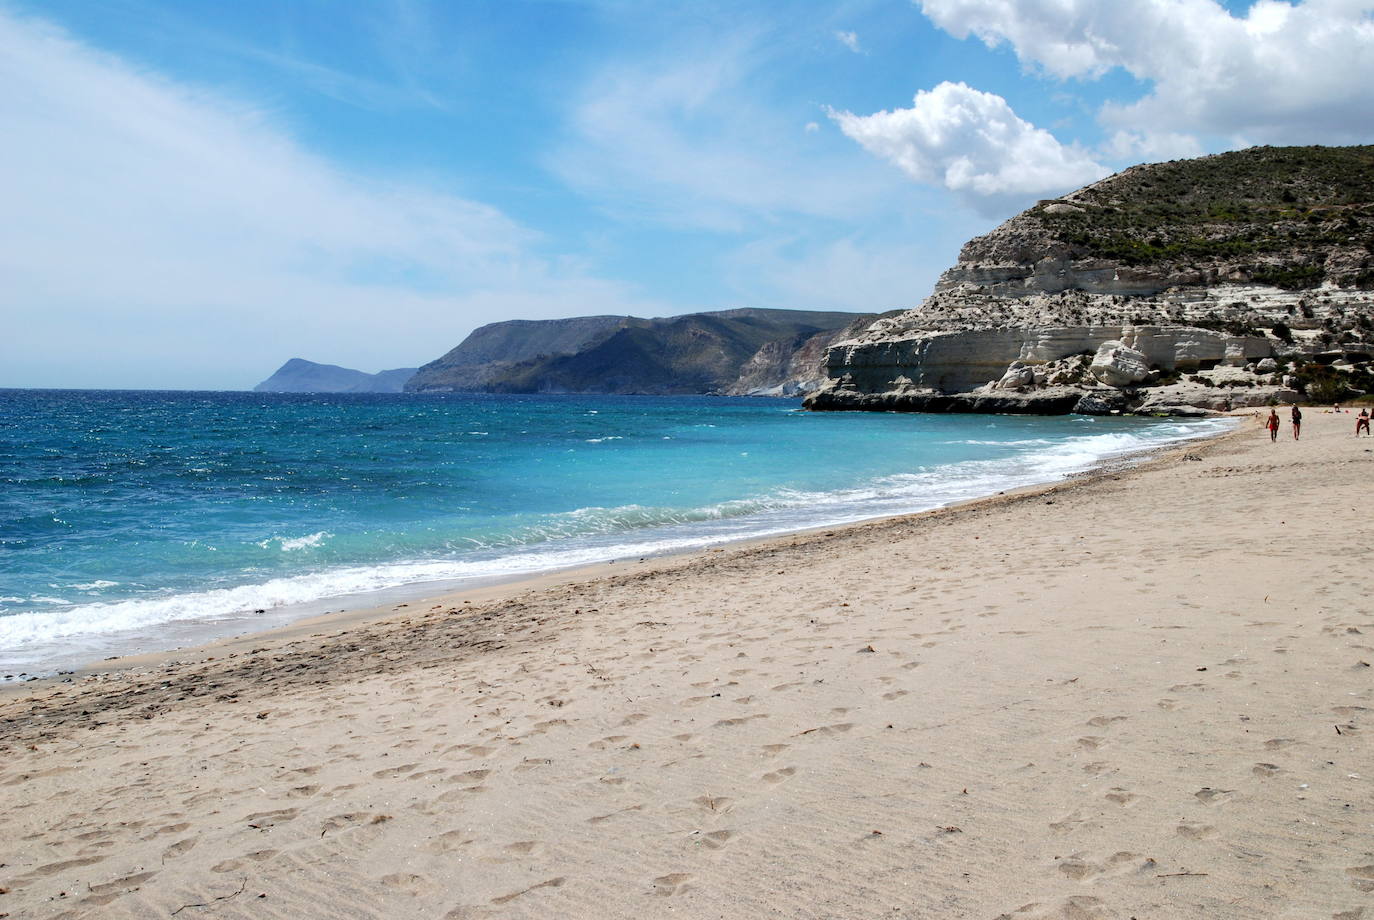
{"x": 1152, "y": 146}
{"x": 850, "y": 40}
{"x": 693, "y": 144}
{"x": 1280, "y": 73}
{"x": 158, "y": 234}
{"x": 974, "y": 145}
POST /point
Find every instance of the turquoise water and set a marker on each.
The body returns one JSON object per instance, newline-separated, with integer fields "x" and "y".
{"x": 129, "y": 518}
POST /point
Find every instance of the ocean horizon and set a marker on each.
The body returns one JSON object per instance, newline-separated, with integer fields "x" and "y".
{"x": 144, "y": 520}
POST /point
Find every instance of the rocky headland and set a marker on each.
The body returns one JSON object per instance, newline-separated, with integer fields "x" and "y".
{"x": 743, "y": 352}
{"x": 1188, "y": 287}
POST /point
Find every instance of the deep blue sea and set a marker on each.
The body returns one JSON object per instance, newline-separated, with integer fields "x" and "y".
{"x": 134, "y": 520}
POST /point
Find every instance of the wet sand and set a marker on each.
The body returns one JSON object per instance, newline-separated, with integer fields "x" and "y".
{"x": 1140, "y": 694}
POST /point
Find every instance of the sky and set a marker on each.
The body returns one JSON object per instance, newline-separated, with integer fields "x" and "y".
{"x": 192, "y": 192}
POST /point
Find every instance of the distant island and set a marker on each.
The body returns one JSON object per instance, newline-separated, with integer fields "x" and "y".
{"x": 742, "y": 352}
{"x": 301, "y": 376}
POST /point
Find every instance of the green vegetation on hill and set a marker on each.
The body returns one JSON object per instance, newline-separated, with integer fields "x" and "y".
{"x": 1291, "y": 217}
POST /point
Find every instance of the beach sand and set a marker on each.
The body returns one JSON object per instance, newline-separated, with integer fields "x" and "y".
{"x": 1142, "y": 694}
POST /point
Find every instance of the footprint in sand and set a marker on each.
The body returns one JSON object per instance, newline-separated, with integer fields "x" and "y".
{"x": 1265, "y": 769}
{"x": 667, "y": 885}
{"x": 1209, "y": 796}
{"x": 549, "y": 883}
{"x": 773, "y": 750}
{"x": 837, "y": 729}
{"x": 229, "y": 865}
{"x": 895, "y": 694}
{"x": 350, "y": 820}
{"x": 469, "y": 776}
{"x": 1078, "y": 907}
{"x": 779, "y": 776}
{"x": 181, "y": 847}
{"x": 1104, "y": 721}
{"x": 1120, "y": 796}
{"x": 409, "y": 883}
{"x": 394, "y": 771}
{"x": 714, "y": 840}
{"x": 1069, "y": 823}
{"x": 600, "y": 819}
{"x": 1362, "y": 877}
{"x": 1275, "y": 744}
{"x": 1091, "y": 742}
{"x": 715, "y": 803}
{"x": 121, "y": 885}
{"x": 447, "y": 842}
{"x": 264, "y": 819}
{"x": 1196, "y": 831}
{"x": 1080, "y": 869}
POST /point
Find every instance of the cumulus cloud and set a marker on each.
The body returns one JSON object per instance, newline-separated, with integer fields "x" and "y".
{"x": 1281, "y": 73}
{"x": 155, "y": 234}
{"x": 973, "y": 144}
{"x": 850, "y": 40}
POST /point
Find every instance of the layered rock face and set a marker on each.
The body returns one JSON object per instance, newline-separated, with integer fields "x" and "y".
{"x": 792, "y": 367}
{"x": 1160, "y": 270}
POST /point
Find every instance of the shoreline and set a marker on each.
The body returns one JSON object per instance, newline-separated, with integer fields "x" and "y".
{"x": 390, "y": 602}
{"x": 1139, "y": 693}
{"x": 186, "y": 636}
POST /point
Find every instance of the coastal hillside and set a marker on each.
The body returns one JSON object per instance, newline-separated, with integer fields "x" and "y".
{"x": 1225, "y": 281}
{"x": 740, "y": 352}
{"x": 301, "y": 376}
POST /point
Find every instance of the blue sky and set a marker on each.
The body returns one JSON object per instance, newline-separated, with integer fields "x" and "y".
{"x": 196, "y": 191}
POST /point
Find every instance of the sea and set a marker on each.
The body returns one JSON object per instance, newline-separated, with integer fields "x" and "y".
{"x": 135, "y": 521}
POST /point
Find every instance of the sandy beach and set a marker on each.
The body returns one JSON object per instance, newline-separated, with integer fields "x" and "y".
{"x": 1141, "y": 694}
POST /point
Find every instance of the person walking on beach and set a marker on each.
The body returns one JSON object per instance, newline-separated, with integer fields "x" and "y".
{"x": 1272, "y": 423}
{"x": 1362, "y": 422}
{"x": 1297, "y": 422}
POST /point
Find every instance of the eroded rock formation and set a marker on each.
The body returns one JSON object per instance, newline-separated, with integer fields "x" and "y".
{"x": 1257, "y": 261}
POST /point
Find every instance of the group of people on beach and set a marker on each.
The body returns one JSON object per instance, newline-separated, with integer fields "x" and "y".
{"x": 1272, "y": 422}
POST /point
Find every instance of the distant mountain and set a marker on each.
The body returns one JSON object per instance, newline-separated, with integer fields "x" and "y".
{"x": 301, "y": 376}
{"x": 773, "y": 352}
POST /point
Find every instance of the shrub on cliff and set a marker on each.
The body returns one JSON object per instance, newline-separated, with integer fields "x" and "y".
{"x": 1270, "y": 214}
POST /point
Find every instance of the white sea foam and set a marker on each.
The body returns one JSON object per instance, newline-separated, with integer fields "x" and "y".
{"x": 585, "y": 536}
{"x": 291, "y": 544}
